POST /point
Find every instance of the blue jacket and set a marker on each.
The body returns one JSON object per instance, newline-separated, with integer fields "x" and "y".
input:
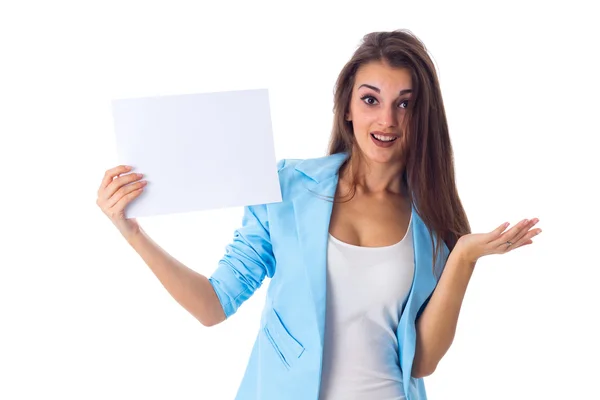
{"x": 286, "y": 242}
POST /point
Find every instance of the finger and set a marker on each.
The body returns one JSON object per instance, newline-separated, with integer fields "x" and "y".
{"x": 510, "y": 234}
{"x": 123, "y": 202}
{"x": 522, "y": 235}
{"x": 526, "y": 239}
{"x": 501, "y": 228}
{"x": 119, "y": 183}
{"x": 523, "y": 244}
{"x": 495, "y": 234}
{"x": 111, "y": 173}
{"x": 531, "y": 234}
{"x": 124, "y": 191}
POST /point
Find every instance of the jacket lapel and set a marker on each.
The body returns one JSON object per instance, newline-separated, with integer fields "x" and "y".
{"x": 424, "y": 282}
{"x": 312, "y": 212}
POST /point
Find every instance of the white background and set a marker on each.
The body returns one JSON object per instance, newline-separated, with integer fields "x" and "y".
{"x": 82, "y": 317}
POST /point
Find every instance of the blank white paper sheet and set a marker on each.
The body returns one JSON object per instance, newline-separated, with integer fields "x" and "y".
{"x": 198, "y": 151}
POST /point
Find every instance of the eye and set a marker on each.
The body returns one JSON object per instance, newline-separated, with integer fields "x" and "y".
{"x": 367, "y": 98}
{"x": 371, "y": 101}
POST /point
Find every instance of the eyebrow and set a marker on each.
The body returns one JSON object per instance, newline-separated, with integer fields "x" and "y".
{"x": 378, "y": 91}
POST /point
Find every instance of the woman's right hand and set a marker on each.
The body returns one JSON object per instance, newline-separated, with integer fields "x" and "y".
{"x": 115, "y": 194}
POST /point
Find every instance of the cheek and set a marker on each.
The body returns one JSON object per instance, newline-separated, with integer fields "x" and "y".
{"x": 362, "y": 117}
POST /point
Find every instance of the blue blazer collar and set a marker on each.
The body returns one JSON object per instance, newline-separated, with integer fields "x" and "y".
{"x": 320, "y": 169}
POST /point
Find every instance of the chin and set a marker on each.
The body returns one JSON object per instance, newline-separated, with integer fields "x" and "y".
{"x": 382, "y": 156}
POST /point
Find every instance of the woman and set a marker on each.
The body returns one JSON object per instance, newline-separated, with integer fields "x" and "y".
{"x": 369, "y": 253}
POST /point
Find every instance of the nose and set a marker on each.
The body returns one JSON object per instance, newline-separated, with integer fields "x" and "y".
{"x": 388, "y": 116}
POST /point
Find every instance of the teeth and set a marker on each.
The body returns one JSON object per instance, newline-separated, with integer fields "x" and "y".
{"x": 385, "y": 138}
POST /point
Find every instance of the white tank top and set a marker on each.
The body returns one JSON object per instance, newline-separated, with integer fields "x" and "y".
{"x": 366, "y": 290}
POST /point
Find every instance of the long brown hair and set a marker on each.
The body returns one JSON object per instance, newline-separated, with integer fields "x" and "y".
{"x": 429, "y": 160}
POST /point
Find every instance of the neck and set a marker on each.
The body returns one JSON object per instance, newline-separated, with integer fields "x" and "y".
{"x": 374, "y": 178}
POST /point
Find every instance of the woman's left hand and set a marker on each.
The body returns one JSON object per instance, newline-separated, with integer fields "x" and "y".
{"x": 475, "y": 245}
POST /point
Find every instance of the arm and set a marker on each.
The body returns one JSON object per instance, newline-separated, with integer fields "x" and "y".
{"x": 247, "y": 261}
{"x": 189, "y": 288}
{"x": 437, "y": 324}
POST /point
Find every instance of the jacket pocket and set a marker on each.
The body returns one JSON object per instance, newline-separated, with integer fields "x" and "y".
{"x": 286, "y": 346}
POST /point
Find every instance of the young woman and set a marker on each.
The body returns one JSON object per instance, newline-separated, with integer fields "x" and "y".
{"x": 369, "y": 253}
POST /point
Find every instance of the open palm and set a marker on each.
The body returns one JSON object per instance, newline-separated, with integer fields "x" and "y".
{"x": 476, "y": 245}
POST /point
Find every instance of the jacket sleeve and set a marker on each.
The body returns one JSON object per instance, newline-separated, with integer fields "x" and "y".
{"x": 248, "y": 259}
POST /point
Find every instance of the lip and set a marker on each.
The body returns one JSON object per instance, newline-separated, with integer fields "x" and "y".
{"x": 384, "y": 134}
{"x": 383, "y": 144}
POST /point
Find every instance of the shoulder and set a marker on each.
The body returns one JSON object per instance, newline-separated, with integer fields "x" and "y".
{"x": 287, "y": 163}
{"x": 296, "y": 174}
{"x": 290, "y": 180}
{"x": 316, "y": 169}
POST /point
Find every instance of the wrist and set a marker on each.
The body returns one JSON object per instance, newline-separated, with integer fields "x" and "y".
{"x": 133, "y": 237}
{"x": 461, "y": 252}
{"x": 463, "y": 258}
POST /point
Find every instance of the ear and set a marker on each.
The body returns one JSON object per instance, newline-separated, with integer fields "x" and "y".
{"x": 348, "y": 117}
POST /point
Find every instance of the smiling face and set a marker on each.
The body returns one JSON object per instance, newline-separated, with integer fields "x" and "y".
{"x": 377, "y": 107}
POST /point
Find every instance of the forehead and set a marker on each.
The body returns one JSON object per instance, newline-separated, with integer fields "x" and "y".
{"x": 383, "y": 76}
